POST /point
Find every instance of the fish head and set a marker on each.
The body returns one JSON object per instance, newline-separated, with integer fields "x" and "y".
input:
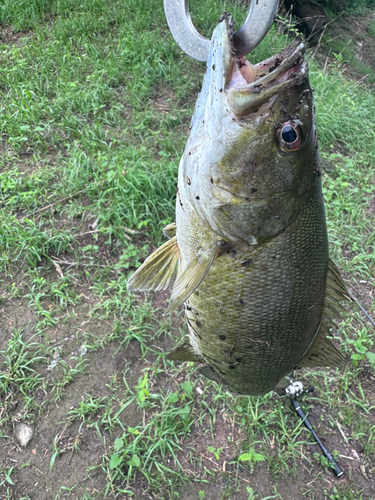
{"x": 252, "y": 155}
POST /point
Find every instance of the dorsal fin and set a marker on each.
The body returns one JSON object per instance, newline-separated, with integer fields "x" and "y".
{"x": 159, "y": 270}
{"x": 322, "y": 353}
{"x": 336, "y": 292}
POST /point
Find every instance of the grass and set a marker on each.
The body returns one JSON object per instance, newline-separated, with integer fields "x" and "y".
{"x": 350, "y": 39}
{"x": 95, "y": 106}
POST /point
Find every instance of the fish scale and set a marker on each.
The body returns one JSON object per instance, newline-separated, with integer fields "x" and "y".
{"x": 269, "y": 322}
{"x": 248, "y": 254}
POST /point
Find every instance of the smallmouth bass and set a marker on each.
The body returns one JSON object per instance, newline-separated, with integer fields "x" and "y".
{"x": 248, "y": 255}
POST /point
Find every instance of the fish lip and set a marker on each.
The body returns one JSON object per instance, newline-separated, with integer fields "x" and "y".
{"x": 287, "y": 64}
{"x": 267, "y": 79}
{"x": 277, "y": 68}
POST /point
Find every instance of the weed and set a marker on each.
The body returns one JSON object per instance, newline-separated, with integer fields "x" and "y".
{"x": 18, "y": 370}
{"x": 95, "y": 109}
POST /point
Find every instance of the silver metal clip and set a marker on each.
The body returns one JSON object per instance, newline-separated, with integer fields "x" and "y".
{"x": 257, "y": 23}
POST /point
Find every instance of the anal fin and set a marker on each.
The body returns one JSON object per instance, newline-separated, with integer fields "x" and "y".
{"x": 159, "y": 271}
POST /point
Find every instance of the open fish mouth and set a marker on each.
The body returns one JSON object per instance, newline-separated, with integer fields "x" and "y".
{"x": 251, "y": 86}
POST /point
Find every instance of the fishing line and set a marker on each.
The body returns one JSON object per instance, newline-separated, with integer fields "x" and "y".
{"x": 363, "y": 310}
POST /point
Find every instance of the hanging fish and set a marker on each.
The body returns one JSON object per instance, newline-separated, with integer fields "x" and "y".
{"x": 248, "y": 255}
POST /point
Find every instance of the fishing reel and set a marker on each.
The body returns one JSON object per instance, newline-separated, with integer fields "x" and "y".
{"x": 294, "y": 389}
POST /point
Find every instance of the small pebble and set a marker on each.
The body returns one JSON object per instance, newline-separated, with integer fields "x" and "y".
{"x": 24, "y": 433}
{"x": 83, "y": 350}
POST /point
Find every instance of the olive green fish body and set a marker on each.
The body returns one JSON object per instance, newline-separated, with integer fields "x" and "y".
{"x": 256, "y": 312}
{"x": 248, "y": 255}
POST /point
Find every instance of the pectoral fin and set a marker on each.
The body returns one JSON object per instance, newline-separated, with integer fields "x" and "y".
{"x": 159, "y": 270}
{"x": 170, "y": 230}
{"x": 191, "y": 278}
{"x": 183, "y": 352}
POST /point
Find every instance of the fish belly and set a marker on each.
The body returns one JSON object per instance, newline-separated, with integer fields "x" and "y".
{"x": 256, "y": 312}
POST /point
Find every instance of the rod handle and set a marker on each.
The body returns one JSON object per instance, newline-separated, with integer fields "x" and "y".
{"x": 307, "y": 424}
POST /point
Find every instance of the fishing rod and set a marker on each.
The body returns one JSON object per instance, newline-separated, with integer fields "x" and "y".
{"x": 294, "y": 390}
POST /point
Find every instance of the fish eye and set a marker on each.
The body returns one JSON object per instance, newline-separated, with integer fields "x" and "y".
{"x": 290, "y": 136}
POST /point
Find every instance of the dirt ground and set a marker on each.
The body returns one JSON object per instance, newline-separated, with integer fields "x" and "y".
{"x": 82, "y": 470}
{"x": 88, "y": 353}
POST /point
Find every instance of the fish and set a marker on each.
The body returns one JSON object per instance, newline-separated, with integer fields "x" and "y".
{"x": 248, "y": 254}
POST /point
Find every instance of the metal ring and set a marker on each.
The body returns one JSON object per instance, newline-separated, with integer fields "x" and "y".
{"x": 257, "y": 23}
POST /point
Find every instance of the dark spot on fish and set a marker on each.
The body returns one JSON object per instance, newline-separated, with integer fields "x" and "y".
{"x": 188, "y": 308}
{"x": 199, "y": 324}
{"x": 222, "y": 337}
{"x": 232, "y": 367}
{"x": 220, "y": 90}
{"x": 212, "y": 181}
{"x": 246, "y": 263}
{"x": 196, "y": 294}
{"x": 242, "y": 301}
{"x": 273, "y": 256}
{"x": 179, "y": 200}
{"x": 238, "y": 360}
{"x": 275, "y": 64}
{"x": 213, "y": 67}
{"x": 250, "y": 346}
{"x": 197, "y": 197}
{"x": 277, "y": 216}
{"x": 247, "y": 199}
{"x": 186, "y": 286}
{"x": 253, "y": 190}
{"x": 189, "y": 153}
{"x": 188, "y": 181}
{"x": 224, "y": 247}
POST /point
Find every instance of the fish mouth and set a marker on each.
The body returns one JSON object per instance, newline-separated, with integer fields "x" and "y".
{"x": 249, "y": 87}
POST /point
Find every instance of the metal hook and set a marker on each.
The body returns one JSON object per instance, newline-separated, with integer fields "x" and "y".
{"x": 257, "y": 23}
